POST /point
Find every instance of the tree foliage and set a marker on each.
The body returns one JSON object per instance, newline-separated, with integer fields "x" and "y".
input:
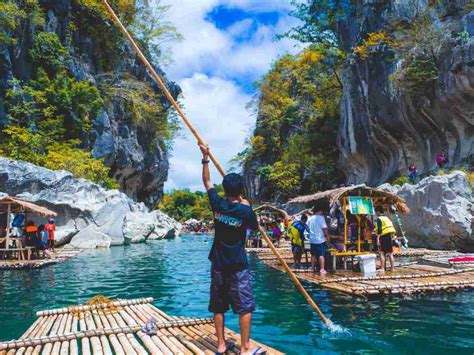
{"x": 419, "y": 46}
{"x": 20, "y": 143}
{"x": 298, "y": 117}
{"x": 51, "y": 112}
{"x": 13, "y": 12}
{"x": 182, "y": 204}
{"x": 319, "y": 20}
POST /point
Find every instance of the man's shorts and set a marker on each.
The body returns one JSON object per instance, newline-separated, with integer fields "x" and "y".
{"x": 296, "y": 249}
{"x": 231, "y": 288}
{"x": 386, "y": 245}
{"x": 318, "y": 249}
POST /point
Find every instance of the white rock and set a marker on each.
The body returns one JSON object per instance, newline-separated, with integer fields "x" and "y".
{"x": 90, "y": 238}
{"x": 88, "y": 215}
{"x": 440, "y": 212}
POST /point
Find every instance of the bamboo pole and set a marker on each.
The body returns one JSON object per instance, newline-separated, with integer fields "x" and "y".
{"x": 211, "y": 156}
{"x": 85, "y": 333}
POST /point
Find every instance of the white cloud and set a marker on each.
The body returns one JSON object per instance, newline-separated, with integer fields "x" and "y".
{"x": 216, "y": 107}
{"x": 208, "y": 64}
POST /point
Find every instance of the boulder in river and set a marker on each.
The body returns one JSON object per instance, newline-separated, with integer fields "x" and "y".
{"x": 441, "y": 210}
{"x": 89, "y": 216}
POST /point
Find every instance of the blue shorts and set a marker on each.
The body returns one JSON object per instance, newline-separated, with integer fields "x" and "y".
{"x": 231, "y": 288}
{"x": 318, "y": 249}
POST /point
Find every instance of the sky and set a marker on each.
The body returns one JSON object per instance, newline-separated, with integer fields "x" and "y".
{"x": 227, "y": 46}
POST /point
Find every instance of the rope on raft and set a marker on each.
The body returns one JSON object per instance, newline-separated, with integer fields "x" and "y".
{"x": 15, "y": 344}
{"x": 94, "y": 306}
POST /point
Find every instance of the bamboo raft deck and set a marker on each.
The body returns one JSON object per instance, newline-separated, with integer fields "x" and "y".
{"x": 118, "y": 327}
{"x": 60, "y": 254}
{"x": 407, "y": 278}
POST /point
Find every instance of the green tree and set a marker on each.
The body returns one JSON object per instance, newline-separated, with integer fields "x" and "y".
{"x": 48, "y": 52}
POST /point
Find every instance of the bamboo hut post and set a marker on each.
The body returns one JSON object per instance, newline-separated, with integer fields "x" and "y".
{"x": 7, "y": 237}
{"x": 345, "y": 222}
{"x": 359, "y": 229}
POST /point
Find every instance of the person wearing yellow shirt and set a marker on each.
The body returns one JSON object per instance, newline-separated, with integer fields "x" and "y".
{"x": 385, "y": 232}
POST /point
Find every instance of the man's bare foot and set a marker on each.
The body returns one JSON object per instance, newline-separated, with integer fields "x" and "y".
{"x": 223, "y": 348}
{"x": 323, "y": 272}
{"x": 257, "y": 350}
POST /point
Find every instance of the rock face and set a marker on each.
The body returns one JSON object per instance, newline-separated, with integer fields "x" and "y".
{"x": 88, "y": 215}
{"x": 441, "y": 209}
{"x": 138, "y": 160}
{"x": 382, "y": 130}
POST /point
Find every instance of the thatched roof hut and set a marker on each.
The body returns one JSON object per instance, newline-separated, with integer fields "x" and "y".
{"x": 17, "y": 205}
{"x": 274, "y": 209}
{"x": 329, "y": 198}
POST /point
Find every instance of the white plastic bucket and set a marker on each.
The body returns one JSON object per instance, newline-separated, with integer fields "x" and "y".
{"x": 367, "y": 264}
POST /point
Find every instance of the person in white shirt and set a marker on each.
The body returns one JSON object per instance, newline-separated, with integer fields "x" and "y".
{"x": 318, "y": 235}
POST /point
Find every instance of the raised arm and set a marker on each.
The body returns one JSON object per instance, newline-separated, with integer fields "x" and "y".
{"x": 206, "y": 174}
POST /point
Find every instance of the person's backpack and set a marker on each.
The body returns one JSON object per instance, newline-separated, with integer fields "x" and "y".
{"x": 294, "y": 234}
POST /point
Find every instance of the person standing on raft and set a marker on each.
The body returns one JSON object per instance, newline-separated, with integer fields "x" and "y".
{"x": 385, "y": 232}
{"x": 231, "y": 283}
{"x": 318, "y": 236}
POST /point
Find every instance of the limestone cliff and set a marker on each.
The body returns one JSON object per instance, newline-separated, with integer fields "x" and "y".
{"x": 383, "y": 129}
{"x": 138, "y": 159}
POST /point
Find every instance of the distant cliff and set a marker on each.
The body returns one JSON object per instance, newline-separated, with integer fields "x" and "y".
{"x": 130, "y": 129}
{"x": 383, "y": 128}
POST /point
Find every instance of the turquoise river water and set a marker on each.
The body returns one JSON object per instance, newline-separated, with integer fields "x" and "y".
{"x": 176, "y": 274}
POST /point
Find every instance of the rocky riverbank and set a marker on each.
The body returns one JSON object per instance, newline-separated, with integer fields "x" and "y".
{"x": 441, "y": 209}
{"x": 88, "y": 215}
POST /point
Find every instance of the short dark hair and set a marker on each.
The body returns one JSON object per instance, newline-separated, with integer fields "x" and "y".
{"x": 233, "y": 184}
{"x": 379, "y": 209}
{"x": 304, "y": 217}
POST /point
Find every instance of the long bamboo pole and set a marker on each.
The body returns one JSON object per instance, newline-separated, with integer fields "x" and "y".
{"x": 211, "y": 156}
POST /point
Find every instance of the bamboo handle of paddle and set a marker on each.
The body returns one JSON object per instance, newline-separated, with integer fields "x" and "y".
{"x": 213, "y": 159}
{"x": 160, "y": 83}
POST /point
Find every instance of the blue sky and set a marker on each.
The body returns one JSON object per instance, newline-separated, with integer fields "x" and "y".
{"x": 227, "y": 46}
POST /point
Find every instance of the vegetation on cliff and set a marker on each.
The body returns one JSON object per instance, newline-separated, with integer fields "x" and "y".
{"x": 51, "y": 110}
{"x": 294, "y": 147}
{"x": 182, "y": 204}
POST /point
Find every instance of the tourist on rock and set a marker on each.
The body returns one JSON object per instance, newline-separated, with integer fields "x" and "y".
{"x": 385, "y": 232}
{"x": 412, "y": 173}
{"x": 50, "y": 227}
{"x": 439, "y": 161}
{"x": 318, "y": 236}
{"x": 231, "y": 282}
{"x": 296, "y": 233}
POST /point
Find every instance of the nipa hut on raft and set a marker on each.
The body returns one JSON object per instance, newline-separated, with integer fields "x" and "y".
{"x": 330, "y": 198}
{"x": 357, "y": 202}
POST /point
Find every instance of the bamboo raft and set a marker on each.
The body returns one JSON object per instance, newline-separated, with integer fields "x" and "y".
{"x": 118, "y": 327}
{"x": 408, "y": 278}
{"x": 60, "y": 254}
{"x": 285, "y": 251}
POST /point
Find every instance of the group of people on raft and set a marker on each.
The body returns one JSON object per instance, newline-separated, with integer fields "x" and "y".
{"x": 317, "y": 227}
{"x": 40, "y": 238}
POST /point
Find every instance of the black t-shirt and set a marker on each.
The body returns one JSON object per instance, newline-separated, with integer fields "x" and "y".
{"x": 231, "y": 220}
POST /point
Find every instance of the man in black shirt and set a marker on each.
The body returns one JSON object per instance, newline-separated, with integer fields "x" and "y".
{"x": 231, "y": 283}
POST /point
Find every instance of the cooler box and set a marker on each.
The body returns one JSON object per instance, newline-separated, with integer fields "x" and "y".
{"x": 367, "y": 264}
